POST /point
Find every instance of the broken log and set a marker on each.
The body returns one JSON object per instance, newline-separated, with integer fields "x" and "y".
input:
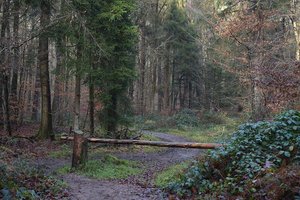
{"x": 80, "y": 151}
{"x": 151, "y": 143}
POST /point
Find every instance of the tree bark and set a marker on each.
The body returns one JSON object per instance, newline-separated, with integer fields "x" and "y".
{"x": 16, "y": 63}
{"x": 76, "y": 124}
{"x": 58, "y": 87}
{"x": 6, "y": 105}
{"x": 112, "y": 114}
{"x": 45, "y": 130}
{"x": 92, "y": 103}
{"x": 80, "y": 151}
{"x": 167, "y": 79}
{"x": 142, "y": 64}
{"x": 150, "y": 143}
{"x": 296, "y": 25}
{"x": 4, "y": 71}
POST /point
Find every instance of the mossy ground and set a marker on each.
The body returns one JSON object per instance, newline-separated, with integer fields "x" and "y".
{"x": 170, "y": 174}
{"x": 109, "y": 167}
{"x": 209, "y": 132}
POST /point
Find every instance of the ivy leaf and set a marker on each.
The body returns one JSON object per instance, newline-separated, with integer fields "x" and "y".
{"x": 287, "y": 154}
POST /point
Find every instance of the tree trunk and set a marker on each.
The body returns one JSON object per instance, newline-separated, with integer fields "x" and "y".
{"x": 143, "y": 143}
{"x": 296, "y": 25}
{"x": 35, "y": 98}
{"x": 45, "y": 130}
{"x": 80, "y": 151}
{"x": 57, "y": 99}
{"x": 16, "y": 63}
{"x": 92, "y": 104}
{"x": 142, "y": 64}
{"x": 4, "y": 71}
{"x": 160, "y": 92}
{"x": 259, "y": 110}
{"x": 190, "y": 95}
{"x": 76, "y": 124}
{"x": 167, "y": 79}
{"x": 112, "y": 114}
{"x": 6, "y": 105}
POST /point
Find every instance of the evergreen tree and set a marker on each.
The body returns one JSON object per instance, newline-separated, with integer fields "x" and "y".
{"x": 112, "y": 38}
{"x": 184, "y": 52}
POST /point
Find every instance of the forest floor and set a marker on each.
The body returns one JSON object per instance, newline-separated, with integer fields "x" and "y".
{"x": 135, "y": 187}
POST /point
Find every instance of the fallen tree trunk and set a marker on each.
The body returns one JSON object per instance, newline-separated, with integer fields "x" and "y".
{"x": 151, "y": 143}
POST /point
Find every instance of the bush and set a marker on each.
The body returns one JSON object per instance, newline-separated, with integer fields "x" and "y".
{"x": 213, "y": 118}
{"x": 185, "y": 118}
{"x": 254, "y": 151}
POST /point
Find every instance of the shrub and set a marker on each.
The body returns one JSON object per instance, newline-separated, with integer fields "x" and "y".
{"x": 186, "y": 118}
{"x": 255, "y": 150}
{"x": 213, "y": 118}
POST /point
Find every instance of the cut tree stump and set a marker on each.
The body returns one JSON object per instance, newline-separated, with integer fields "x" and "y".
{"x": 151, "y": 143}
{"x": 80, "y": 150}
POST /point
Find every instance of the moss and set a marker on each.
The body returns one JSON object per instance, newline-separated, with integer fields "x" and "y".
{"x": 109, "y": 167}
{"x": 170, "y": 174}
{"x": 208, "y": 133}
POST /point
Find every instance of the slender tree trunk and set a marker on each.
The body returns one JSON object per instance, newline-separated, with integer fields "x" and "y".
{"x": 46, "y": 130}
{"x": 4, "y": 71}
{"x": 35, "y": 98}
{"x": 160, "y": 87}
{"x": 112, "y": 114}
{"x": 57, "y": 99}
{"x": 190, "y": 94}
{"x": 154, "y": 82}
{"x": 6, "y": 105}
{"x": 296, "y": 25}
{"x": 142, "y": 64}
{"x": 76, "y": 124}
{"x": 259, "y": 110}
{"x": 167, "y": 79}
{"x": 15, "y": 62}
{"x": 92, "y": 104}
{"x": 173, "y": 92}
{"x": 181, "y": 93}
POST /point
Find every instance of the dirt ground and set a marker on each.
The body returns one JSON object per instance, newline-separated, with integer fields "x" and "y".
{"x": 138, "y": 187}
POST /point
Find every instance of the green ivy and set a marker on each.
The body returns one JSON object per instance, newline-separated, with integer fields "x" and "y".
{"x": 254, "y": 149}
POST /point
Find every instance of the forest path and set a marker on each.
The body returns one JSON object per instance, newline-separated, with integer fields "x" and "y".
{"x": 138, "y": 187}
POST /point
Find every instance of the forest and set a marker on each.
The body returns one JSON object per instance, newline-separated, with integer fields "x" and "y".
{"x": 150, "y": 99}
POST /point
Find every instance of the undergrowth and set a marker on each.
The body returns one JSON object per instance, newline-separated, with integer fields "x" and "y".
{"x": 18, "y": 180}
{"x": 163, "y": 178}
{"x": 261, "y": 161}
{"x": 195, "y": 126}
{"x": 109, "y": 167}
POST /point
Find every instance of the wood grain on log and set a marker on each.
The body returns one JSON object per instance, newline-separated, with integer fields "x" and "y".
{"x": 151, "y": 143}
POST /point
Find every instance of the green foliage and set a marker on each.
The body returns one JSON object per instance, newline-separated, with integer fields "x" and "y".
{"x": 253, "y": 151}
{"x": 112, "y": 26}
{"x": 207, "y": 133}
{"x": 171, "y": 174}
{"x": 186, "y": 118}
{"x": 181, "y": 34}
{"x": 109, "y": 167}
{"x": 22, "y": 181}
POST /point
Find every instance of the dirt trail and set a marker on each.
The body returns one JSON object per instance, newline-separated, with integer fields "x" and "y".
{"x": 138, "y": 187}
